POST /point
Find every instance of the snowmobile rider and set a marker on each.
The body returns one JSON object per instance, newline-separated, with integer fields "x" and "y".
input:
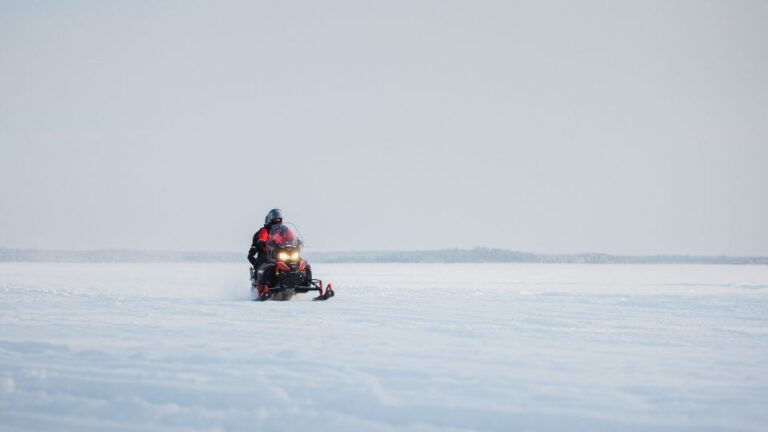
{"x": 257, "y": 255}
{"x": 273, "y": 230}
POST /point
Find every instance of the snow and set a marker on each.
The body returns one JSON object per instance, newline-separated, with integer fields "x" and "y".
{"x": 406, "y": 347}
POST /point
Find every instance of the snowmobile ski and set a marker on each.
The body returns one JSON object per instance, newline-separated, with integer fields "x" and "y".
{"x": 325, "y": 295}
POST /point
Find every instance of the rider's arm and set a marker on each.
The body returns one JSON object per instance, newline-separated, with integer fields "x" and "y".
{"x": 253, "y": 250}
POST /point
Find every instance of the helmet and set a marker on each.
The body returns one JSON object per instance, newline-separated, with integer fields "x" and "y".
{"x": 274, "y": 216}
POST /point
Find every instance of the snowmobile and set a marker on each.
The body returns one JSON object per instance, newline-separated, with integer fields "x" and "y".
{"x": 286, "y": 272}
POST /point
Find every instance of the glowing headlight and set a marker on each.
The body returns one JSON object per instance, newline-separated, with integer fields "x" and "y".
{"x": 295, "y": 256}
{"x": 283, "y": 256}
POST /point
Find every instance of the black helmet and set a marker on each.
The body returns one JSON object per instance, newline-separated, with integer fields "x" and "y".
{"x": 274, "y": 216}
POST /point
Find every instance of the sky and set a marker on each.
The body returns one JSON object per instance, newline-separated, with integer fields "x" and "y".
{"x": 627, "y": 127}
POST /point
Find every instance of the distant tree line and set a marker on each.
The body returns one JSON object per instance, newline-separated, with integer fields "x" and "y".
{"x": 476, "y": 255}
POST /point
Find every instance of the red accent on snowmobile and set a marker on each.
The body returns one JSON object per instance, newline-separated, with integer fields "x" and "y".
{"x": 264, "y": 293}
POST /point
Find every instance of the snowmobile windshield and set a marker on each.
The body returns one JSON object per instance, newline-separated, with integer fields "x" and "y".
{"x": 282, "y": 236}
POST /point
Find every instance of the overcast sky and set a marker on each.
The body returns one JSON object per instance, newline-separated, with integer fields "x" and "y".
{"x": 613, "y": 126}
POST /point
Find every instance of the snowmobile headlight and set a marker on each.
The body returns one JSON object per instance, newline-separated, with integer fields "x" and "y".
{"x": 295, "y": 256}
{"x": 284, "y": 256}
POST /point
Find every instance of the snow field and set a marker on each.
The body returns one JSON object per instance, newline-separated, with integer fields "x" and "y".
{"x": 449, "y": 347}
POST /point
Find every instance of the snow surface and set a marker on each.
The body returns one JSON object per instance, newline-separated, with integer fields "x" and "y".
{"x": 406, "y": 347}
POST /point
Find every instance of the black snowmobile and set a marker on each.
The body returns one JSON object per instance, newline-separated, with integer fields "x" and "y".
{"x": 286, "y": 272}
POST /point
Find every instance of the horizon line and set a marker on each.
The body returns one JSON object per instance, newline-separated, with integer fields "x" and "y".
{"x": 390, "y": 251}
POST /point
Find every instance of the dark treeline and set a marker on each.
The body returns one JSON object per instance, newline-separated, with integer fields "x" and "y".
{"x": 476, "y": 255}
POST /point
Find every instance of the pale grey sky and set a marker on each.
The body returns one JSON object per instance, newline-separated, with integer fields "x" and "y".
{"x": 624, "y": 127}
